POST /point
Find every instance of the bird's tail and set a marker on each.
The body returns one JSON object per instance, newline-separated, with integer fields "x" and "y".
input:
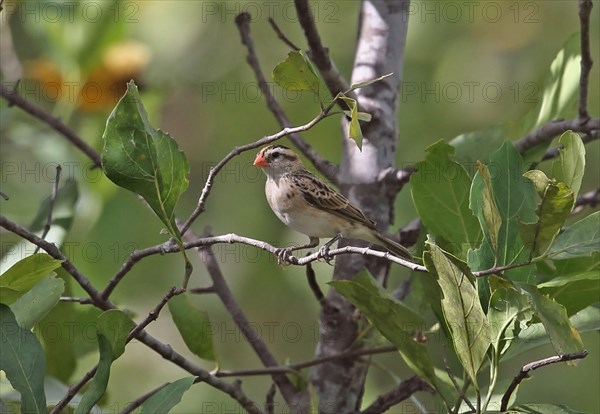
{"x": 392, "y": 246}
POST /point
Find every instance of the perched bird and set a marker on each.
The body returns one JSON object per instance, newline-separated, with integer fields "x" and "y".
{"x": 311, "y": 207}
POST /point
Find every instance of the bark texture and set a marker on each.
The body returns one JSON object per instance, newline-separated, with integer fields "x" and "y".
{"x": 380, "y": 50}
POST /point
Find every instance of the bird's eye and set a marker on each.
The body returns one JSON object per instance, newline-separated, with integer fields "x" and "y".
{"x": 275, "y": 155}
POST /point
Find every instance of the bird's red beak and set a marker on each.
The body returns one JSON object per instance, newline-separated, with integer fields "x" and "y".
{"x": 260, "y": 161}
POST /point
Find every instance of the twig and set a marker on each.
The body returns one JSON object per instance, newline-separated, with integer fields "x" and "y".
{"x": 72, "y": 391}
{"x": 532, "y": 366}
{"x": 324, "y": 166}
{"x": 270, "y": 399}
{"x": 14, "y": 98}
{"x": 287, "y": 389}
{"x": 461, "y": 391}
{"x": 350, "y": 354}
{"x": 202, "y": 290}
{"x": 141, "y": 399}
{"x": 157, "y": 346}
{"x": 281, "y": 35}
{"x": 400, "y": 393}
{"x": 555, "y": 151}
{"x": 314, "y": 286}
{"x": 499, "y": 269}
{"x": 153, "y": 314}
{"x": 81, "y": 301}
{"x": 318, "y": 53}
{"x": 50, "y": 206}
{"x": 550, "y": 130}
{"x": 591, "y": 198}
{"x": 585, "y": 9}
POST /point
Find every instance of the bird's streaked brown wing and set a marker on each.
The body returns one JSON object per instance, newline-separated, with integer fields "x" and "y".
{"x": 322, "y": 196}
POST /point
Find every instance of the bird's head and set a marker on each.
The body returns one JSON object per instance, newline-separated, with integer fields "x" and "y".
{"x": 276, "y": 160}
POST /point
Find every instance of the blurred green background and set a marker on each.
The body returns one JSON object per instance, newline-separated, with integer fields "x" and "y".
{"x": 468, "y": 65}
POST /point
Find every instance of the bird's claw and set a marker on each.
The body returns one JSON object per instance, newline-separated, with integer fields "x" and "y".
{"x": 324, "y": 254}
{"x": 284, "y": 256}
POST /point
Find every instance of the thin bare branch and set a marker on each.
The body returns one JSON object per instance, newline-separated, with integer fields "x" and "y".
{"x": 50, "y": 206}
{"x": 591, "y": 199}
{"x": 141, "y": 399}
{"x": 324, "y": 166}
{"x": 318, "y": 53}
{"x": 55, "y": 123}
{"x": 153, "y": 314}
{"x": 554, "y": 128}
{"x": 72, "y": 391}
{"x": 585, "y": 9}
{"x": 81, "y": 301}
{"x": 307, "y": 364}
{"x": 270, "y": 399}
{"x": 532, "y": 366}
{"x": 287, "y": 389}
{"x": 400, "y": 393}
{"x": 282, "y": 35}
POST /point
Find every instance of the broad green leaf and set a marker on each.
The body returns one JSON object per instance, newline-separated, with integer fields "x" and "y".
{"x": 440, "y": 188}
{"x": 587, "y": 320}
{"x": 535, "y": 408}
{"x": 390, "y": 317}
{"x": 553, "y": 316}
{"x": 574, "y": 292}
{"x": 37, "y": 302}
{"x": 508, "y": 313}
{"x": 193, "y": 325}
{"x": 100, "y": 381}
{"x": 28, "y": 272}
{"x": 56, "y": 332}
{"x": 577, "y": 264}
{"x": 515, "y": 199}
{"x": 115, "y": 326}
{"x": 570, "y": 165}
{"x": 354, "y": 127}
{"x": 167, "y": 397}
{"x": 581, "y": 239}
{"x": 297, "y": 73}
{"x": 464, "y": 316}
{"x": 553, "y": 210}
{"x": 478, "y": 145}
{"x": 22, "y": 359}
{"x": 144, "y": 160}
{"x": 483, "y": 205}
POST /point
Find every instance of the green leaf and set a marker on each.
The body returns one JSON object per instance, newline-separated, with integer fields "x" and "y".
{"x": 167, "y": 397}
{"x": 22, "y": 359}
{"x": 558, "y": 96}
{"x": 553, "y": 316}
{"x": 28, "y": 272}
{"x": 354, "y": 127}
{"x": 37, "y": 302}
{"x": 100, "y": 381}
{"x": 539, "y": 179}
{"x": 297, "y": 73}
{"x": 390, "y": 317}
{"x": 144, "y": 160}
{"x": 481, "y": 202}
{"x": 587, "y": 320}
{"x": 554, "y": 209}
{"x": 579, "y": 240}
{"x": 441, "y": 187}
{"x": 570, "y": 165}
{"x": 478, "y": 145}
{"x": 359, "y": 85}
{"x": 574, "y": 292}
{"x": 515, "y": 199}
{"x": 115, "y": 326}
{"x": 535, "y": 408}
{"x": 464, "y": 316}
{"x": 193, "y": 325}
{"x": 509, "y": 312}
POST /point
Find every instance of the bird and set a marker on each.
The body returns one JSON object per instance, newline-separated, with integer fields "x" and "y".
{"x": 311, "y": 207}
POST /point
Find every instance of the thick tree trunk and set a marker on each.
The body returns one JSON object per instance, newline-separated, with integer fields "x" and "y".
{"x": 380, "y": 50}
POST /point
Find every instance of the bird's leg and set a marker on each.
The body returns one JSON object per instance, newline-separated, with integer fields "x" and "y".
{"x": 283, "y": 254}
{"x": 324, "y": 251}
